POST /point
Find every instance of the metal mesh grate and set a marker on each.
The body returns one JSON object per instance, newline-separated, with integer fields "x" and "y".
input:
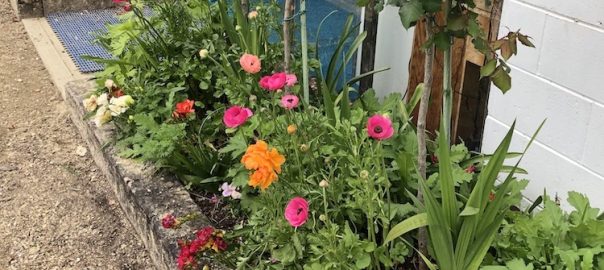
{"x": 77, "y": 30}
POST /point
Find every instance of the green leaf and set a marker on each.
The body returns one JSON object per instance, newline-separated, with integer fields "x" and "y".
{"x": 525, "y": 40}
{"x": 286, "y": 254}
{"x": 502, "y": 79}
{"x": 583, "y": 211}
{"x": 407, "y": 225}
{"x": 410, "y": 12}
{"x": 488, "y": 68}
{"x": 431, "y": 5}
{"x": 442, "y": 40}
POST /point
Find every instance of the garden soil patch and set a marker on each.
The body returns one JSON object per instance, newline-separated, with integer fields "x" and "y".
{"x": 56, "y": 209}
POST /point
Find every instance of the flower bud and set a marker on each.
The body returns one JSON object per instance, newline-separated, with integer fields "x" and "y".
{"x": 252, "y": 15}
{"x": 109, "y": 84}
{"x": 206, "y": 267}
{"x": 203, "y": 53}
{"x": 324, "y": 183}
{"x": 253, "y": 98}
{"x": 323, "y": 217}
{"x": 364, "y": 174}
{"x": 304, "y": 147}
{"x": 238, "y": 28}
{"x": 291, "y": 129}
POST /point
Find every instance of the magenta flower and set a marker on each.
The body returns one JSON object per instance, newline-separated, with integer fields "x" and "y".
{"x": 379, "y": 127}
{"x": 236, "y": 116}
{"x": 296, "y": 212}
{"x": 229, "y": 190}
{"x": 289, "y": 101}
{"x": 291, "y": 79}
{"x": 273, "y": 82}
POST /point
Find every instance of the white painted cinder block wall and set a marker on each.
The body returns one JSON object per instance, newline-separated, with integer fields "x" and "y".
{"x": 561, "y": 80}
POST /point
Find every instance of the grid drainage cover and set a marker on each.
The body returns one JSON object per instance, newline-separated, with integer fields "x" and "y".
{"x": 77, "y": 32}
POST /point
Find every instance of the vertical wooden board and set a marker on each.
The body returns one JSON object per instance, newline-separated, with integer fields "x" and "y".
{"x": 416, "y": 76}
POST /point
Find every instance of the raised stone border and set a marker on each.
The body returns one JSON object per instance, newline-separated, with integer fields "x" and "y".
{"x": 144, "y": 195}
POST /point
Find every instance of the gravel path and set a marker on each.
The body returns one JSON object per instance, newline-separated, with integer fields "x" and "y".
{"x": 56, "y": 209}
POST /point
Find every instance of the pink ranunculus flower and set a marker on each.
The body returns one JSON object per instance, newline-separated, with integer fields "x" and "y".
{"x": 289, "y": 101}
{"x": 291, "y": 79}
{"x": 379, "y": 127}
{"x": 273, "y": 82}
{"x": 296, "y": 212}
{"x": 236, "y": 116}
{"x": 250, "y": 63}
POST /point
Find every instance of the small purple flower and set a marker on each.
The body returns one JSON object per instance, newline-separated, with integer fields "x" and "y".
{"x": 229, "y": 190}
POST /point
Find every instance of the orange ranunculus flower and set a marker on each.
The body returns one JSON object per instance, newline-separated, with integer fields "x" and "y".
{"x": 265, "y": 162}
{"x": 262, "y": 178}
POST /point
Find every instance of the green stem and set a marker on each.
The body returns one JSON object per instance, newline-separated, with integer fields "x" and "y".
{"x": 304, "y": 37}
{"x": 447, "y": 87}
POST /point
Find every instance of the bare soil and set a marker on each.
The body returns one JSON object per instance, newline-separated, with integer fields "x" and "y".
{"x": 56, "y": 209}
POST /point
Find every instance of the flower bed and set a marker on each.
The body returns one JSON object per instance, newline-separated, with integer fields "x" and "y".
{"x": 314, "y": 179}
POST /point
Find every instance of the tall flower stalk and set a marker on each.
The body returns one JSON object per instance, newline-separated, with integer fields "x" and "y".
{"x": 447, "y": 77}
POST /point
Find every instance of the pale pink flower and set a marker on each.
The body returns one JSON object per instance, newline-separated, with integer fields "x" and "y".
{"x": 289, "y": 101}
{"x": 229, "y": 190}
{"x": 291, "y": 79}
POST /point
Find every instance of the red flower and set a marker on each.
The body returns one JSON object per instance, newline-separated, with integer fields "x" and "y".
{"x": 434, "y": 158}
{"x": 127, "y": 7}
{"x": 204, "y": 235}
{"x": 186, "y": 258}
{"x": 168, "y": 221}
{"x": 219, "y": 244}
{"x": 117, "y": 93}
{"x": 183, "y": 109}
{"x": 471, "y": 169}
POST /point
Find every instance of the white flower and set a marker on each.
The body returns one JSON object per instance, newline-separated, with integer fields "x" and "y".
{"x": 102, "y": 116}
{"x": 90, "y": 103}
{"x": 203, "y": 53}
{"x": 102, "y": 100}
{"x": 109, "y": 84}
{"x": 324, "y": 183}
{"x": 120, "y": 105}
{"x": 252, "y": 15}
{"x": 123, "y": 101}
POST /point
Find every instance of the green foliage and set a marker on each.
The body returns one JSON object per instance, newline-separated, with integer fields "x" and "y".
{"x": 153, "y": 141}
{"x": 553, "y": 239}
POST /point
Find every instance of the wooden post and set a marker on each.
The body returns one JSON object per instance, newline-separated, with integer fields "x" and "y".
{"x": 370, "y": 25}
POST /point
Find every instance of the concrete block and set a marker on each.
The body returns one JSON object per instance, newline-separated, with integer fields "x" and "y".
{"x": 588, "y": 11}
{"x": 572, "y": 57}
{"x": 531, "y": 22}
{"x": 532, "y": 100}
{"x": 593, "y": 155}
{"x": 547, "y": 169}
